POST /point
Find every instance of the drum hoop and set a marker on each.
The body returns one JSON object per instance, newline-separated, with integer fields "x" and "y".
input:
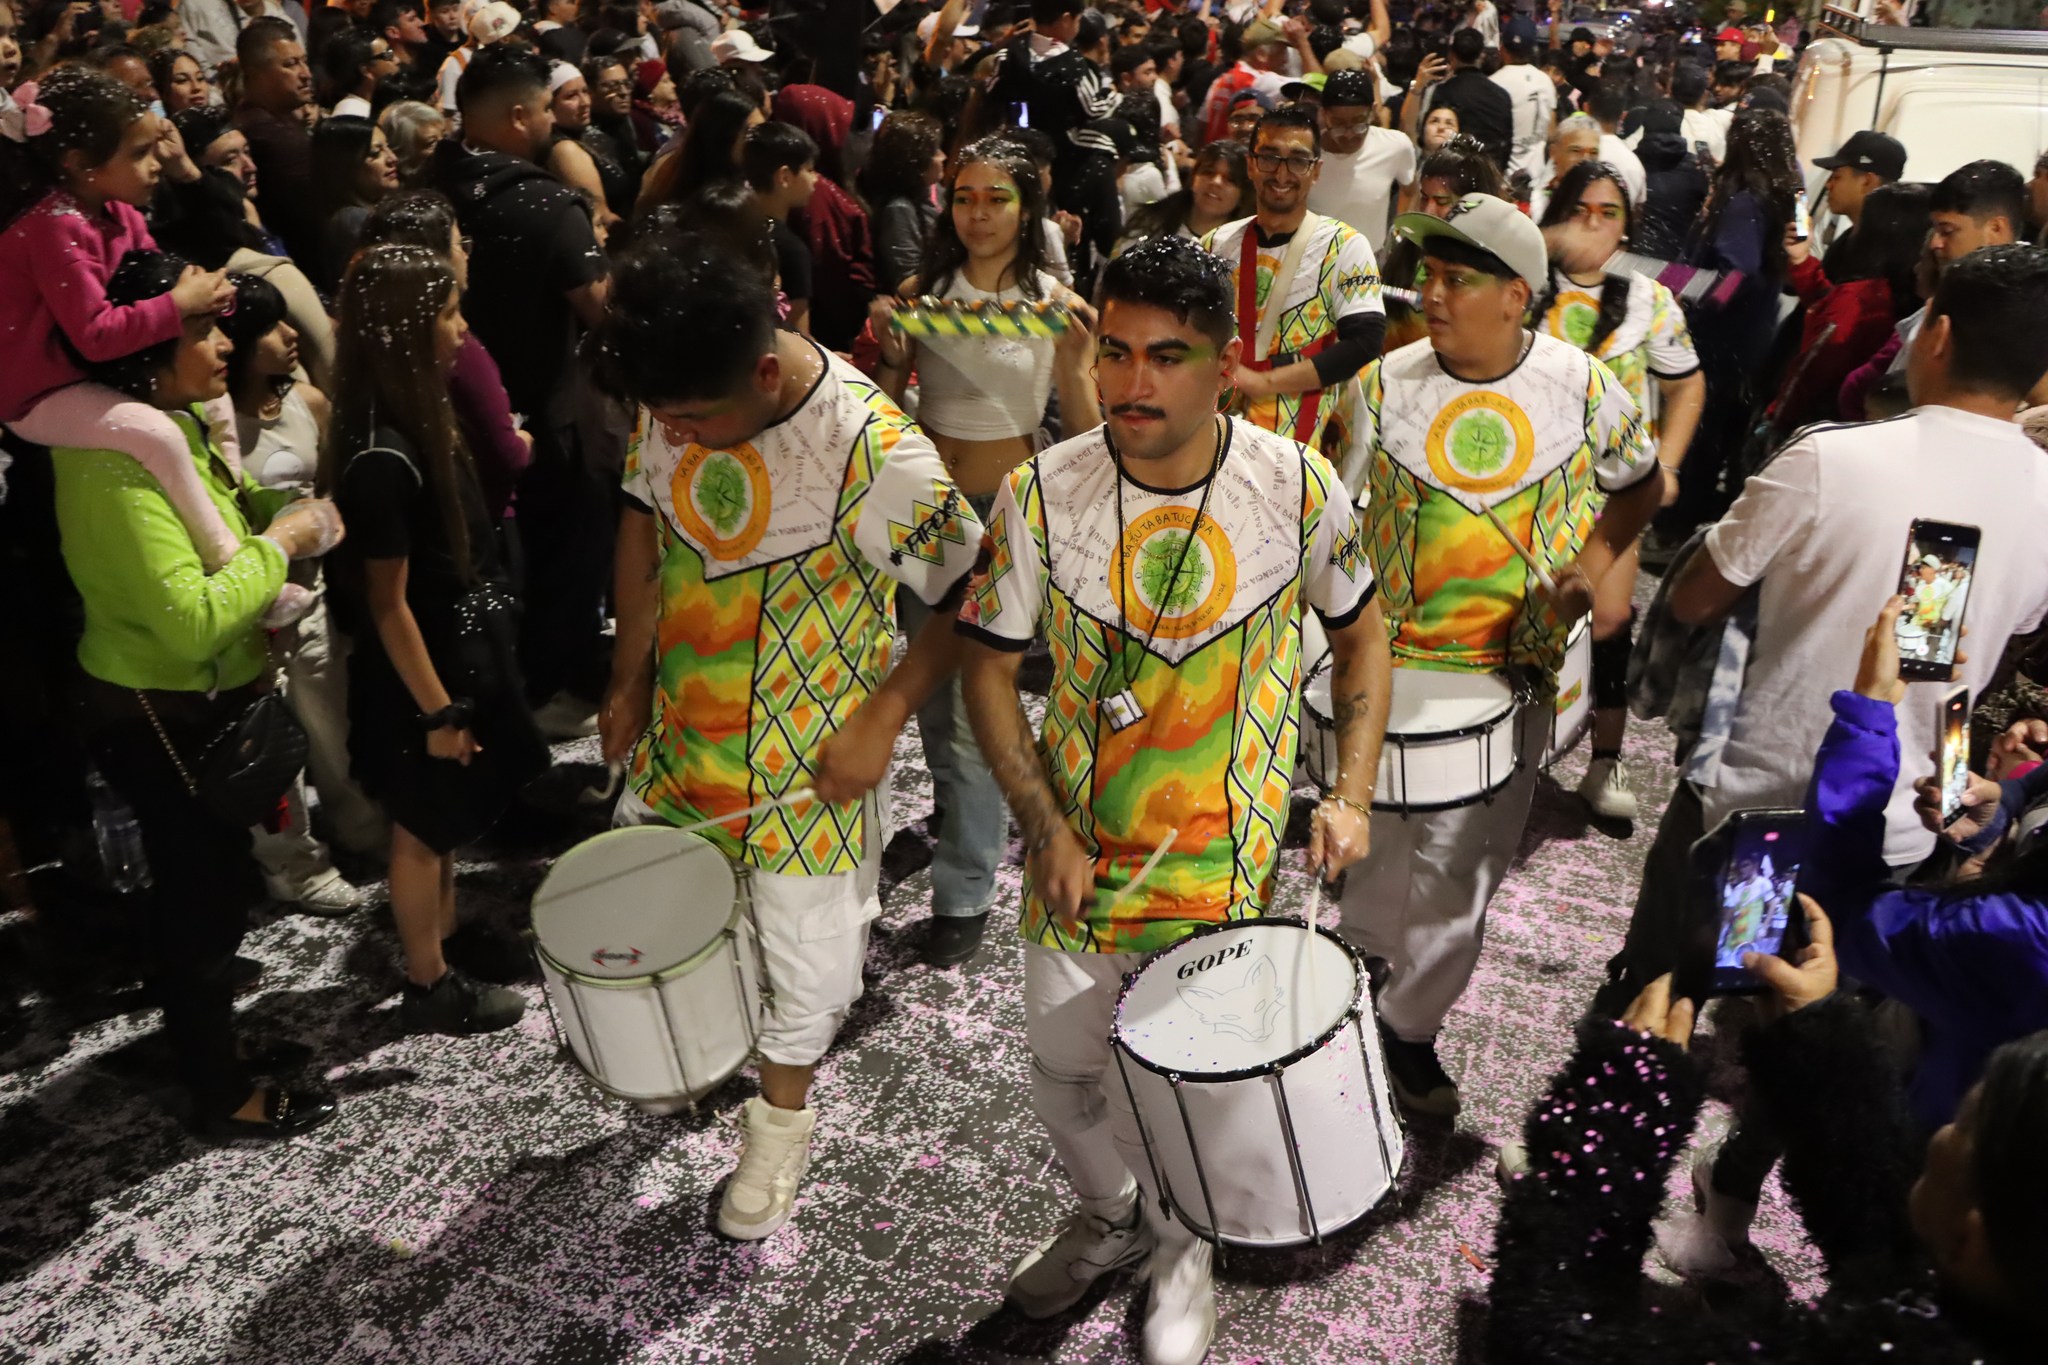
{"x": 1432, "y": 807}
{"x": 1422, "y": 739}
{"x": 1351, "y": 1012}
{"x": 667, "y": 974}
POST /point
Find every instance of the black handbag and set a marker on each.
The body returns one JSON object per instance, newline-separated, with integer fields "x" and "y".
{"x": 248, "y": 766}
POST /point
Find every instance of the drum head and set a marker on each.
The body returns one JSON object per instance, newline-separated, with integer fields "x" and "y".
{"x": 1237, "y": 999}
{"x": 1315, "y": 693}
{"x": 1429, "y": 701}
{"x": 634, "y": 902}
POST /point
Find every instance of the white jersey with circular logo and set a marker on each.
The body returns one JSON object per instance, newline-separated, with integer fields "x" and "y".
{"x": 1651, "y": 342}
{"x": 1539, "y": 445}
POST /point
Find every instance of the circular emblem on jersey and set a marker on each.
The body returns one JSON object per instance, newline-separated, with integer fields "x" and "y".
{"x": 1572, "y": 318}
{"x": 1174, "y": 587}
{"x": 722, "y": 499}
{"x": 1480, "y": 443}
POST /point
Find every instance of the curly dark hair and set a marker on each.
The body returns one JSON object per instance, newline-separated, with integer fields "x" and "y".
{"x": 1763, "y": 163}
{"x": 1175, "y": 274}
{"x": 904, "y": 146}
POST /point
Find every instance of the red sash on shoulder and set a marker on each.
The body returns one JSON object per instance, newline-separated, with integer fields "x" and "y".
{"x": 1248, "y": 332}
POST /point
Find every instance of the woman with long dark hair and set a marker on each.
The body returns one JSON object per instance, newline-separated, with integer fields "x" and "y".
{"x": 353, "y": 167}
{"x": 709, "y": 150}
{"x": 1741, "y": 229}
{"x": 1634, "y": 326}
{"x": 1864, "y": 293}
{"x": 981, "y": 400}
{"x": 1219, "y": 189}
{"x": 907, "y": 160}
{"x": 179, "y": 80}
{"x": 438, "y": 726}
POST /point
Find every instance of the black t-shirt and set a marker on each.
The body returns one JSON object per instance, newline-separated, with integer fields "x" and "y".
{"x": 392, "y": 513}
{"x": 1485, "y": 110}
{"x": 531, "y": 244}
{"x": 792, "y": 262}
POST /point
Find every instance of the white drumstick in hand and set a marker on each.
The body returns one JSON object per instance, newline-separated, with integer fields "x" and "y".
{"x": 1515, "y": 544}
{"x": 1131, "y": 886}
{"x": 800, "y": 794}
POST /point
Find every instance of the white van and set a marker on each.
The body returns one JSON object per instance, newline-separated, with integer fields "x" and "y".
{"x": 1952, "y": 96}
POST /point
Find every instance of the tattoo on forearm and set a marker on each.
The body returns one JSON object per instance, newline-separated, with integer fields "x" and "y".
{"x": 1016, "y": 767}
{"x": 1350, "y": 707}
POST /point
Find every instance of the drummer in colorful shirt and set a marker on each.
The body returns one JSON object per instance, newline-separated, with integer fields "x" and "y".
{"x": 1305, "y": 292}
{"x": 1167, "y": 559}
{"x": 1636, "y": 328}
{"x": 1482, "y": 414}
{"x": 775, "y": 498}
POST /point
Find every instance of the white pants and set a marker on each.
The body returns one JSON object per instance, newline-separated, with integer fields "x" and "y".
{"x": 1069, "y": 1004}
{"x": 1419, "y": 899}
{"x": 814, "y": 938}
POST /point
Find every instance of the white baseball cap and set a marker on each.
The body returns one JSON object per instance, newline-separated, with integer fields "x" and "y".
{"x": 492, "y": 22}
{"x": 1494, "y": 226}
{"x": 738, "y": 45}
{"x": 929, "y": 25}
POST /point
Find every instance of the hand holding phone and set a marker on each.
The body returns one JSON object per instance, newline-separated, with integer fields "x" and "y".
{"x": 1757, "y": 856}
{"x": 1953, "y": 770}
{"x": 1935, "y": 579}
{"x": 1806, "y": 975}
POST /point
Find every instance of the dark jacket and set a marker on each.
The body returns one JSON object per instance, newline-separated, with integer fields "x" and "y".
{"x": 1569, "y": 1246}
{"x": 1485, "y": 110}
{"x": 283, "y": 152}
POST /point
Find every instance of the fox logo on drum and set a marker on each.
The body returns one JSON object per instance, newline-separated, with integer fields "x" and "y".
{"x": 605, "y": 957}
{"x": 1246, "y": 1009}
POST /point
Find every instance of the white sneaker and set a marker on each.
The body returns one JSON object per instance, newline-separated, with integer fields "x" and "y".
{"x": 1180, "y": 1317}
{"x": 1605, "y": 788}
{"x": 1512, "y": 1163}
{"x": 1055, "y": 1274}
{"x": 566, "y": 716}
{"x": 1703, "y": 1241}
{"x": 777, "y": 1152}
{"x": 324, "y": 893}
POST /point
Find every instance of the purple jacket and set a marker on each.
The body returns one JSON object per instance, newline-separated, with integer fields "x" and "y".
{"x": 1973, "y": 967}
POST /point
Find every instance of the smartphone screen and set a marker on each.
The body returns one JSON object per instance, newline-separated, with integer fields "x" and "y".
{"x": 1941, "y": 562}
{"x": 1754, "y": 889}
{"x": 1802, "y": 221}
{"x": 1955, "y": 753}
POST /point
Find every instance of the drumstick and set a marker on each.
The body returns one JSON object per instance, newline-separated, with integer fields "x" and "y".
{"x": 800, "y": 794}
{"x": 1528, "y": 557}
{"x": 1131, "y": 886}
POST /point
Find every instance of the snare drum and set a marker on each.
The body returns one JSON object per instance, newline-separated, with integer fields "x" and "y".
{"x": 1574, "y": 693}
{"x": 1451, "y": 740}
{"x": 648, "y": 956}
{"x": 1249, "y": 1055}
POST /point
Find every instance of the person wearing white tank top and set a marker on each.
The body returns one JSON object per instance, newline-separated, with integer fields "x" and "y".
{"x": 281, "y": 424}
{"x": 982, "y": 401}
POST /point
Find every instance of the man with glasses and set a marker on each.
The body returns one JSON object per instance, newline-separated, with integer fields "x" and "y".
{"x": 1484, "y": 414}
{"x": 1308, "y": 294}
{"x": 1362, "y": 164}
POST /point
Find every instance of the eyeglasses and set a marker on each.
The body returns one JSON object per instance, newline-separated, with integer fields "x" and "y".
{"x": 1300, "y": 163}
{"x": 1349, "y": 125}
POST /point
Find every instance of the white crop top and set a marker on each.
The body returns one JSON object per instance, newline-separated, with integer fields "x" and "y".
{"x": 984, "y": 388}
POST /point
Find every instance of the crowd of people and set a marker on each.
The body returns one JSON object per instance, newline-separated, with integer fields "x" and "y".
{"x": 393, "y": 388}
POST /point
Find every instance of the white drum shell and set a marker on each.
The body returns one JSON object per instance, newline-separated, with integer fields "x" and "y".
{"x": 1220, "y": 1145}
{"x": 1450, "y": 741}
{"x": 1574, "y": 693}
{"x": 678, "y": 1035}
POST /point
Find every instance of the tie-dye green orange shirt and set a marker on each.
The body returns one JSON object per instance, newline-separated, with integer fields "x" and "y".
{"x": 1649, "y": 340}
{"x": 1541, "y": 445}
{"x": 779, "y": 562}
{"x": 1221, "y": 603}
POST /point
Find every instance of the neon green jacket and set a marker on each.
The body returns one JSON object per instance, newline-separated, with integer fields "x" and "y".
{"x": 154, "y": 618}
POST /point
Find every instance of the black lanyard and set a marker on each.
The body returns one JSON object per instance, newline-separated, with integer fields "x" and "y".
{"x": 1128, "y": 676}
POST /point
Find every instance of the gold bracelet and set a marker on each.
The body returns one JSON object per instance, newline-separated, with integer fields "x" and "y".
{"x": 1366, "y": 811}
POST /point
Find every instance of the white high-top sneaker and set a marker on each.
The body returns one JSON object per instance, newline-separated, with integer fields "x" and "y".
{"x": 1704, "y": 1242}
{"x": 1056, "y": 1273}
{"x": 1605, "y": 788}
{"x": 777, "y": 1152}
{"x": 1180, "y": 1318}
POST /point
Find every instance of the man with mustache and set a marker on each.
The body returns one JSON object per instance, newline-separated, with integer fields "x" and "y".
{"x": 1168, "y": 557}
{"x": 1483, "y": 414}
{"x": 1306, "y": 292}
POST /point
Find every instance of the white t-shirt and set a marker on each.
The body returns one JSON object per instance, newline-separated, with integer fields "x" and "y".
{"x": 1169, "y": 117}
{"x": 452, "y": 67}
{"x": 1487, "y": 20}
{"x": 1535, "y": 97}
{"x": 1615, "y": 153}
{"x": 1824, "y": 526}
{"x": 1359, "y": 189}
{"x": 1705, "y": 125}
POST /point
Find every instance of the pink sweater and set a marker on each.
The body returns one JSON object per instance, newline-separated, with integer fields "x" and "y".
{"x": 54, "y": 267}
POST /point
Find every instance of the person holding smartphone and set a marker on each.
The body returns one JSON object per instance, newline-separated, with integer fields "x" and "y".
{"x": 1819, "y": 534}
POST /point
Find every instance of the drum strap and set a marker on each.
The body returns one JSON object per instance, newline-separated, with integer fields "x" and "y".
{"x": 1257, "y": 328}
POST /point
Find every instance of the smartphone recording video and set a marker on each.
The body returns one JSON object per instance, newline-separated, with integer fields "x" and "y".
{"x": 1941, "y": 561}
{"x": 1955, "y": 753}
{"x": 1755, "y": 890}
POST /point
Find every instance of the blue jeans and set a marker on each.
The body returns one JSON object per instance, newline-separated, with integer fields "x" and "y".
{"x": 974, "y": 824}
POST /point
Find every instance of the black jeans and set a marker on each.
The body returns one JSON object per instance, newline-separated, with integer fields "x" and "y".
{"x": 205, "y": 877}
{"x": 1666, "y": 921}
